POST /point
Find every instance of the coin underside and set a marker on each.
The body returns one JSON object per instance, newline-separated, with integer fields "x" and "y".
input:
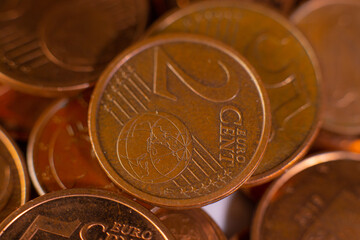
{"x": 316, "y": 199}
{"x": 14, "y": 182}
{"x": 82, "y": 214}
{"x": 282, "y": 58}
{"x": 59, "y": 152}
{"x": 333, "y": 29}
{"x": 54, "y": 47}
{"x": 179, "y": 121}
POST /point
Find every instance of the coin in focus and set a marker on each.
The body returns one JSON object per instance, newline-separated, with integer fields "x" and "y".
{"x": 283, "y": 59}
{"x": 316, "y": 199}
{"x": 333, "y": 28}
{"x": 192, "y": 224}
{"x": 59, "y": 151}
{"x": 82, "y": 214}
{"x": 14, "y": 182}
{"x": 19, "y": 111}
{"x": 52, "y": 48}
{"x": 179, "y": 121}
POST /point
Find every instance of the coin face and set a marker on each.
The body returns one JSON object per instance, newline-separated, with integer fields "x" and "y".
{"x": 333, "y": 28}
{"x": 60, "y": 47}
{"x": 82, "y": 214}
{"x": 192, "y": 224}
{"x": 282, "y": 58}
{"x": 316, "y": 199}
{"x": 19, "y": 111}
{"x": 14, "y": 182}
{"x": 59, "y": 152}
{"x": 179, "y": 121}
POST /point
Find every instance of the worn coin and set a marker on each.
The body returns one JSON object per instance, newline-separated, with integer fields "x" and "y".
{"x": 19, "y": 111}
{"x": 59, "y": 152}
{"x": 58, "y": 47}
{"x": 192, "y": 224}
{"x": 179, "y": 120}
{"x": 83, "y": 214}
{"x": 14, "y": 182}
{"x": 333, "y": 28}
{"x": 316, "y": 199}
{"x": 283, "y": 59}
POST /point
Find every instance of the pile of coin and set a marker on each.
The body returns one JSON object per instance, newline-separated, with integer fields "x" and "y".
{"x": 131, "y": 125}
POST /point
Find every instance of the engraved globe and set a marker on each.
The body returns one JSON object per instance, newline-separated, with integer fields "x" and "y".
{"x": 154, "y": 147}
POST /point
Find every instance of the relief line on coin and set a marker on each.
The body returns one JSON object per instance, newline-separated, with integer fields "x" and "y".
{"x": 208, "y": 153}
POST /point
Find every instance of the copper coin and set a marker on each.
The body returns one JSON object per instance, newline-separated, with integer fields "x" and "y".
{"x": 282, "y": 58}
{"x": 57, "y": 47}
{"x": 192, "y": 224}
{"x": 83, "y": 214}
{"x": 59, "y": 151}
{"x": 19, "y": 111}
{"x": 333, "y": 28}
{"x": 179, "y": 121}
{"x": 14, "y": 182}
{"x": 316, "y": 199}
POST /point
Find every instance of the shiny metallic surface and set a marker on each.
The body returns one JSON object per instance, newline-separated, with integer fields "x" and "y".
{"x": 59, "y": 47}
{"x": 179, "y": 120}
{"x": 82, "y": 214}
{"x": 316, "y": 199}
{"x": 284, "y": 61}
{"x": 333, "y": 28}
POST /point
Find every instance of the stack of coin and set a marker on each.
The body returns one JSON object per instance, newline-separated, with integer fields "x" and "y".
{"x": 213, "y": 97}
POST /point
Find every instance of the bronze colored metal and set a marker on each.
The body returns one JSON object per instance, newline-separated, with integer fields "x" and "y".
{"x": 316, "y": 199}
{"x": 333, "y": 28}
{"x": 58, "y": 47}
{"x": 19, "y": 111}
{"x": 14, "y": 182}
{"x": 328, "y": 141}
{"x": 83, "y": 214}
{"x": 283, "y": 59}
{"x": 194, "y": 224}
{"x": 59, "y": 151}
{"x": 179, "y": 120}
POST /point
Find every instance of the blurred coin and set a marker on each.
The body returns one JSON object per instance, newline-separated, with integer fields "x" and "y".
{"x": 333, "y": 28}
{"x": 179, "y": 121}
{"x": 282, "y": 58}
{"x": 19, "y": 111}
{"x": 59, "y": 151}
{"x": 14, "y": 182}
{"x": 192, "y": 224}
{"x": 82, "y": 214}
{"x": 57, "y": 47}
{"x": 319, "y": 198}
{"x": 328, "y": 141}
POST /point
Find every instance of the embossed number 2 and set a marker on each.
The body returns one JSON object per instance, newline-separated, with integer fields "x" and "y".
{"x": 219, "y": 94}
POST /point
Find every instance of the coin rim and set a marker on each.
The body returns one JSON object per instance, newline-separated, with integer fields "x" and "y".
{"x": 188, "y": 202}
{"x": 300, "y": 152}
{"x": 33, "y": 141}
{"x": 70, "y": 90}
{"x": 95, "y": 193}
{"x": 298, "y": 168}
{"x": 296, "y": 17}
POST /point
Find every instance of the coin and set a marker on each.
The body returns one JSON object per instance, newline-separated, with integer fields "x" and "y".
{"x": 192, "y": 224}
{"x": 316, "y": 199}
{"x": 283, "y": 59}
{"x": 58, "y": 47}
{"x": 14, "y": 182}
{"x": 333, "y": 28}
{"x": 59, "y": 151}
{"x": 19, "y": 111}
{"x": 179, "y": 121}
{"x": 82, "y": 214}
